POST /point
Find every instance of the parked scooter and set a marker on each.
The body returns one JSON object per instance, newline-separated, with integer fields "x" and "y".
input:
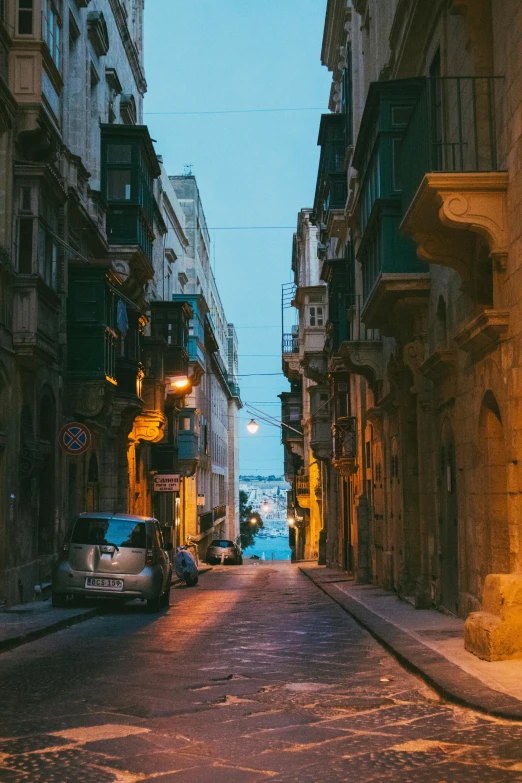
{"x": 185, "y": 566}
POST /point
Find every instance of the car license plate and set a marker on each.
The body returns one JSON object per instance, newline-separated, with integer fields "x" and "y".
{"x": 95, "y": 583}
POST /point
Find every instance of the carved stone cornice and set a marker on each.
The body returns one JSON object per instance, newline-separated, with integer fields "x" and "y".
{"x": 363, "y": 357}
{"x": 346, "y": 466}
{"x": 448, "y": 203}
{"x": 129, "y": 45}
{"x": 97, "y": 32}
{"x": 483, "y": 333}
{"x": 149, "y": 426}
{"x": 439, "y": 364}
{"x": 315, "y": 366}
{"x": 395, "y": 302}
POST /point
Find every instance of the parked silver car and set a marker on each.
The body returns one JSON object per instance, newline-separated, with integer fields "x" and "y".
{"x": 224, "y": 551}
{"x": 114, "y": 555}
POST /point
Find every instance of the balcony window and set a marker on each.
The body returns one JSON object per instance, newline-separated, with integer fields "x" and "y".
{"x": 316, "y": 316}
{"x": 25, "y": 245}
{"x": 129, "y": 166}
{"x": 25, "y": 17}
{"x": 47, "y": 256}
{"x": 119, "y": 153}
{"x": 52, "y": 31}
{"x": 119, "y": 183}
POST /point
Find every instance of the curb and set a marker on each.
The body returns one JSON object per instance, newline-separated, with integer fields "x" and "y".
{"x": 31, "y": 636}
{"x": 446, "y": 678}
{"x": 39, "y": 633}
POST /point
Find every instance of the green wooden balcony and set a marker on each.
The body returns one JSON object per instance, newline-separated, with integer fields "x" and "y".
{"x": 129, "y": 167}
{"x": 388, "y": 259}
{"x": 332, "y": 187}
{"x": 291, "y": 415}
{"x": 91, "y": 322}
{"x": 170, "y": 322}
{"x": 456, "y": 126}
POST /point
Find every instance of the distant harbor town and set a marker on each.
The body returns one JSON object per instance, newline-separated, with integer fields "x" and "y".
{"x": 268, "y": 496}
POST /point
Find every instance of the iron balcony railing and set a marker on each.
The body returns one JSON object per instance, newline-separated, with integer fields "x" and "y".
{"x": 457, "y": 125}
{"x": 219, "y": 512}
{"x": 357, "y": 329}
{"x": 206, "y": 521}
{"x": 345, "y": 438}
{"x": 302, "y": 485}
{"x": 290, "y": 343}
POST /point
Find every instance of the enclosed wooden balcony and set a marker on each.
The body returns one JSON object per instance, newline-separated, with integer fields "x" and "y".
{"x": 454, "y": 172}
{"x": 345, "y": 445}
{"x": 92, "y": 334}
{"x": 332, "y": 184}
{"x": 302, "y": 491}
{"x": 390, "y": 268}
{"x": 36, "y": 309}
{"x": 129, "y": 166}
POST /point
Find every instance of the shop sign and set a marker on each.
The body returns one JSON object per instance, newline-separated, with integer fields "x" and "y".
{"x": 166, "y": 482}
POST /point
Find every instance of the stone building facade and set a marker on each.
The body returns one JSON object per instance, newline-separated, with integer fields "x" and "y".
{"x": 208, "y": 449}
{"x": 303, "y": 364}
{"x": 89, "y": 249}
{"x": 417, "y": 207}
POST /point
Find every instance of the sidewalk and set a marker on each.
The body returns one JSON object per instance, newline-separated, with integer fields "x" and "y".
{"x": 429, "y": 643}
{"x": 26, "y": 622}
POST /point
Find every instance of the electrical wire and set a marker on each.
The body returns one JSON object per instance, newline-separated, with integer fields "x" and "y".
{"x": 233, "y": 111}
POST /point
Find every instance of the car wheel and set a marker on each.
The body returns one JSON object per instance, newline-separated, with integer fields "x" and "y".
{"x": 59, "y": 600}
{"x": 165, "y": 599}
{"x": 154, "y": 604}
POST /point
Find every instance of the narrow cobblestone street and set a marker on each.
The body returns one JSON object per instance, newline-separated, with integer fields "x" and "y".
{"x": 255, "y": 674}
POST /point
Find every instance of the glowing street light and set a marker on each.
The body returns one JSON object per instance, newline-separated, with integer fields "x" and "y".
{"x": 179, "y": 382}
{"x": 266, "y": 506}
{"x": 253, "y": 521}
{"x": 252, "y": 426}
{"x": 291, "y": 521}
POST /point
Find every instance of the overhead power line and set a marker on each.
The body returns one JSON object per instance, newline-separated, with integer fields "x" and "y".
{"x": 237, "y": 111}
{"x": 248, "y": 228}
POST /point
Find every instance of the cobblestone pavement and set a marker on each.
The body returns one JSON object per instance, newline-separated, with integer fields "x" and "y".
{"x": 252, "y": 675}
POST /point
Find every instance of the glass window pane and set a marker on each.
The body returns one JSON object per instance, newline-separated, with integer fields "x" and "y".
{"x": 119, "y": 185}
{"x": 25, "y": 246}
{"x": 25, "y": 22}
{"x": 119, "y": 153}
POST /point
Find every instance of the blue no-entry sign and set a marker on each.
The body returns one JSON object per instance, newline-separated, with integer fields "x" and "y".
{"x": 75, "y": 438}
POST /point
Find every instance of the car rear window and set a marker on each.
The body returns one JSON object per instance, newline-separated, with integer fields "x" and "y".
{"x": 121, "y": 532}
{"x": 224, "y": 544}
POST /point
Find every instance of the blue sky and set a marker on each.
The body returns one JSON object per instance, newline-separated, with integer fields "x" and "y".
{"x": 253, "y": 169}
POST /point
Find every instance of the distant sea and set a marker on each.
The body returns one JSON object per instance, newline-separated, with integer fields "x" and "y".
{"x": 274, "y": 549}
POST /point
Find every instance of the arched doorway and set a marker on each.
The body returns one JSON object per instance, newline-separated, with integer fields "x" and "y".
{"x": 448, "y": 522}
{"x": 496, "y": 554}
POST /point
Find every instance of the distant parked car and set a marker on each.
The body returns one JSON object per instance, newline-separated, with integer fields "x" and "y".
{"x": 114, "y": 556}
{"x": 224, "y": 551}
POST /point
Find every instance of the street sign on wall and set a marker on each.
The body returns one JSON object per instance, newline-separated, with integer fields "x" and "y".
{"x": 74, "y": 438}
{"x": 166, "y": 482}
